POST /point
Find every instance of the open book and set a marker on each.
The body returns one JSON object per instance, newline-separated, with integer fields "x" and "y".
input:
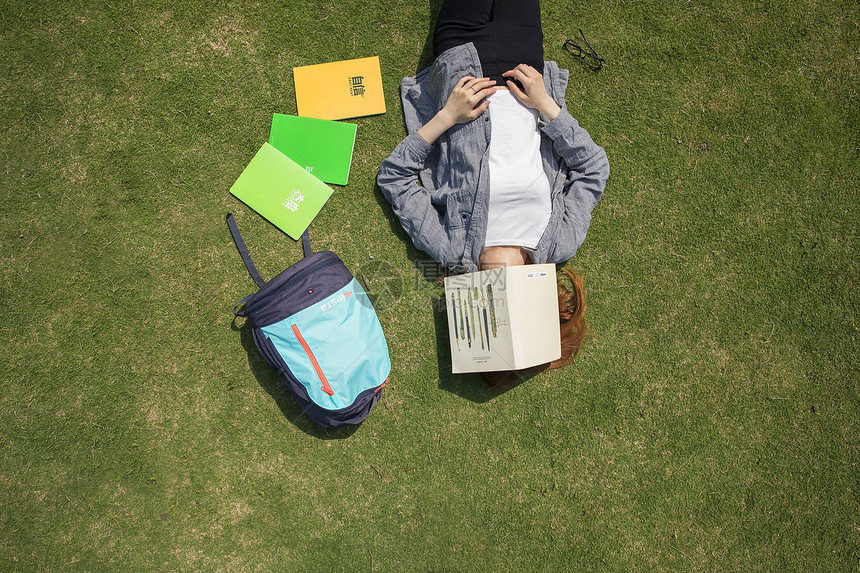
{"x": 503, "y": 319}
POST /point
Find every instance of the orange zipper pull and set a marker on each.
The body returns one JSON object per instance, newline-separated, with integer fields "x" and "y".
{"x": 325, "y": 385}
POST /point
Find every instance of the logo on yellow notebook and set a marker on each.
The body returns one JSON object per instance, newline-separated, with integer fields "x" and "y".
{"x": 356, "y": 86}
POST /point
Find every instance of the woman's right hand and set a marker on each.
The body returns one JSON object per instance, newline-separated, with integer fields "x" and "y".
{"x": 467, "y": 101}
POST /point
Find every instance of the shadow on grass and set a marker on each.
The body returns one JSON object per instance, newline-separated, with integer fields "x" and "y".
{"x": 427, "y": 52}
{"x": 269, "y": 381}
{"x": 469, "y": 386}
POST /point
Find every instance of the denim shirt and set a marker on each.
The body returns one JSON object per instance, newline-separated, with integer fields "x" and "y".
{"x": 440, "y": 192}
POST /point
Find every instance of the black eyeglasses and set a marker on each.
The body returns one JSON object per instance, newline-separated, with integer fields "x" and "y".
{"x": 589, "y": 57}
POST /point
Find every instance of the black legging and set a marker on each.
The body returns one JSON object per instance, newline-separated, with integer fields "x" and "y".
{"x": 506, "y": 33}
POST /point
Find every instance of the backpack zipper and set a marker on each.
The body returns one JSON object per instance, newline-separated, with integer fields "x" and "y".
{"x": 304, "y": 273}
{"x": 325, "y": 385}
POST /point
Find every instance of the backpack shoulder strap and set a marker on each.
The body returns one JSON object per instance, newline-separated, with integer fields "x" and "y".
{"x": 240, "y": 244}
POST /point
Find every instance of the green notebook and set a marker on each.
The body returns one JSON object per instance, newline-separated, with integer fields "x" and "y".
{"x": 280, "y": 190}
{"x": 321, "y": 146}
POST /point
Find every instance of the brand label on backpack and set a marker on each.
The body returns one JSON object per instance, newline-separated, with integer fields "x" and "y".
{"x": 342, "y": 297}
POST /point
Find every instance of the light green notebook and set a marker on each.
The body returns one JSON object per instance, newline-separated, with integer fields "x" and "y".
{"x": 321, "y": 146}
{"x": 280, "y": 190}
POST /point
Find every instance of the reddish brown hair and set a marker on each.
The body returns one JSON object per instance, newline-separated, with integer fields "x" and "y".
{"x": 574, "y": 331}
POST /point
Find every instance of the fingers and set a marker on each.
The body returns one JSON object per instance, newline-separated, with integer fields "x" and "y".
{"x": 525, "y": 74}
{"x": 468, "y": 99}
{"x": 478, "y": 110}
{"x": 522, "y": 75}
{"x": 476, "y": 88}
{"x": 515, "y": 89}
{"x": 527, "y": 84}
{"x": 522, "y": 71}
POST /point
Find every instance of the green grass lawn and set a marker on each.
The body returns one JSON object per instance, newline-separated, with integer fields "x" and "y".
{"x": 711, "y": 423}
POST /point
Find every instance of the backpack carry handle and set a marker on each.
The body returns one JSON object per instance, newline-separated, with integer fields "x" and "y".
{"x": 243, "y": 250}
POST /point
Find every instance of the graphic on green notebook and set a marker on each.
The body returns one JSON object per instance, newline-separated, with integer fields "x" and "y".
{"x": 321, "y": 146}
{"x": 281, "y": 190}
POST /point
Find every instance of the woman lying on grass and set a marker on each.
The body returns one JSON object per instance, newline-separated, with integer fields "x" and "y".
{"x": 495, "y": 171}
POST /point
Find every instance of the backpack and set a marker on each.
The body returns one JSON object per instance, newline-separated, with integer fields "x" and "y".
{"x": 316, "y": 326}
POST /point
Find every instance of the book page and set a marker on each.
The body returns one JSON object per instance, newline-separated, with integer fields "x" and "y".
{"x": 478, "y": 322}
{"x": 533, "y": 313}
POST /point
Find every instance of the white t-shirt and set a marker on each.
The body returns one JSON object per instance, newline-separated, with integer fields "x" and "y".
{"x": 520, "y": 204}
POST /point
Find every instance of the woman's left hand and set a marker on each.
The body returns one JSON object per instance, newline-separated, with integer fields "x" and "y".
{"x": 533, "y": 94}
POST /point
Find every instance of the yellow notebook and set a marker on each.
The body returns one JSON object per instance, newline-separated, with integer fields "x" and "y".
{"x": 339, "y": 90}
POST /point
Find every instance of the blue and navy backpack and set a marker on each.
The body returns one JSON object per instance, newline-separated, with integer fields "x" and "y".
{"x": 316, "y": 326}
